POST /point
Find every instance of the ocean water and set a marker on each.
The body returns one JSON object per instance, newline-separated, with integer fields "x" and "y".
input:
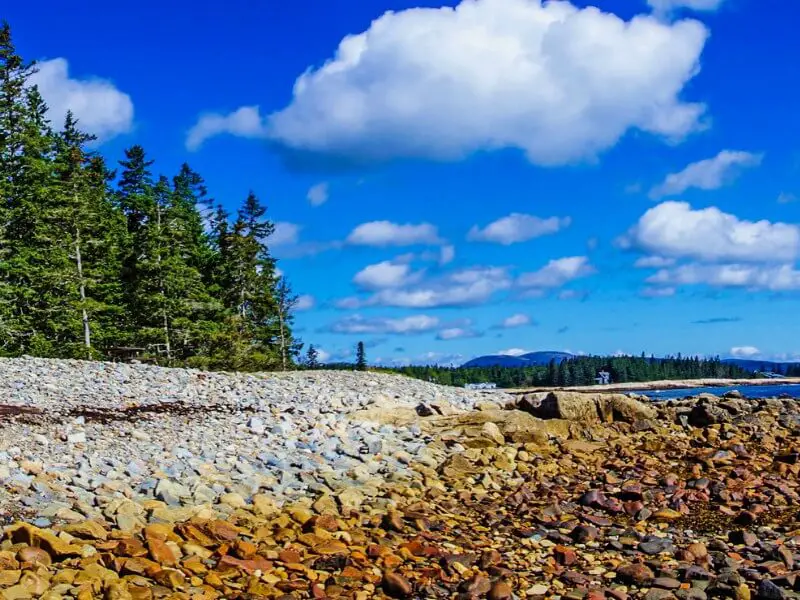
{"x": 751, "y": 391}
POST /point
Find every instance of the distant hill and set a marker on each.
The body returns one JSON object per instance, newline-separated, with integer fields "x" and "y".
{"x": 761, "y": 365}
{"x": 537, "y": 359}
{"x": 531, "y": 359}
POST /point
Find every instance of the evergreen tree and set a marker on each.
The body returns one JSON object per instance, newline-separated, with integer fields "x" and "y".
{"x": 361, "y": 357}
{"x": 92, "y": 245}
{"x": 312, "y": 357}
{"x": 136, "y": 199}
{"x": 285, "y": 301}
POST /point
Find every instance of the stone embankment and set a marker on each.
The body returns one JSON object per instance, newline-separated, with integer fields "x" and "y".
{"x": 133, "y": 482}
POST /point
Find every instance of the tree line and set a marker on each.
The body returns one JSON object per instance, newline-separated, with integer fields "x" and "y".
{"x": 581, "y": 370}
{"x": 96, "y": 262}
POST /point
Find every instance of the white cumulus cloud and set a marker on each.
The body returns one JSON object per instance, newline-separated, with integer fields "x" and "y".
{"x": 455, "y": 333}
{"x": 745, "y": 351}
{"x": 674, "y": 229}
{"x": 559, "y": 82}
{"x": 386, "y": 274}
{"x": 513, "y": 352}
{"x": 318, "y": 194}
{"x": 708, "y": 174}
{"x": 357, "y": 324}
{"x": 305, "y": 302}
{"x": 460, "y": 288}
{"x": 386, "y": 233}
{"x": 285, "y": 234}
{"x": 516, "y": 228}
{"x": 101, "y": 109}
{"x": 245, "y": 122}
{"x": 518, "y": 320}
{"x": 778, "y": 278}
{"x": 556, "y": 273}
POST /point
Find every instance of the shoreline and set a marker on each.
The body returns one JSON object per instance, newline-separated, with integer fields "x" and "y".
{"x": 670, "y": 384}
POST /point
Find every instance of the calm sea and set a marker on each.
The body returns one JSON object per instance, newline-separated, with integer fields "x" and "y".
{"x": 751, "y": 391}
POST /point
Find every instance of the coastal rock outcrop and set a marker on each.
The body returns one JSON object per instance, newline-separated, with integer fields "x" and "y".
{"x": 587, "y": 408}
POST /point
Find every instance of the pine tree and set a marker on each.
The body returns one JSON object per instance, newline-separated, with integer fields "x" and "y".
{"x": 136, "y": 199}
{"x": 249, "y": 286}
{"x": 361, "y": 357}
{"x": 312, "y": 357}
{"x": 93, "y": 242}
{"x": 32, "y": 266}
{"x": 285, "y": 301}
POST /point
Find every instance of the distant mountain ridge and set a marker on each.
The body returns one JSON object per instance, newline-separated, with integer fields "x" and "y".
{"x": 543, "y": 358}
{"x": 531, "y": 359}
{"x": 761, "y": 365}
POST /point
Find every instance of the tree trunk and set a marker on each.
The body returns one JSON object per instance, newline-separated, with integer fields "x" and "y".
{"x": 161, "y": 291}
{"x": 87, "y": 333}
{"x": 283, "y": 337}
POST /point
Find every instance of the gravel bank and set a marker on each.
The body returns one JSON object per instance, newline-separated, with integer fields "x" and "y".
{"x": 78, "y": 434}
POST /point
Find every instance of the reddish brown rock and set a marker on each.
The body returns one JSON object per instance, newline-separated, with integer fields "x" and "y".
{"x": 396, "y": 585}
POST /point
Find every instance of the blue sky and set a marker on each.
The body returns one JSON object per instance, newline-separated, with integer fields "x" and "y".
{"x": 492, "y": 176}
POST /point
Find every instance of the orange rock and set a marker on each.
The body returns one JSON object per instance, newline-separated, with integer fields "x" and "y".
{"x": 258, "y": 563}
{"x": 139, "y": 566}
{"x": 34, "y": 556}
{"x": 352, "y": 573}
{"x": 171, "y": 578}
{"x": 131, "y": 547}
{"x": 193, "y": 534}
{"x": 214, "y": 581}
{"x": 89, "y": 530}
{"x": 195, "y": 565}
{"x": 139, "y": 592}
{"x": 160, "y": 552}
{"x": 501, "y": 590}
{"x": 289, "y": 556}
{"x": 221, "y": 530}
{"x": 8, "y": 561}
{"x": 331, "y": 547}
{"x": 161, "y": 531}
{"x": 415, "y": 547}
{"x": 392, "y": 561}
{"x": 326, "y": 522}
{"x": 244, "y": 549}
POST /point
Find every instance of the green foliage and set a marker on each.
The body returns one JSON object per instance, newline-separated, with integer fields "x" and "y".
{"x": 86, "y": 270}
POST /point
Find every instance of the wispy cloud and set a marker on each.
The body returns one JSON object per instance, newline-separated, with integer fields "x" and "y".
{"x": 557, "y": 273}
{"x": 517, "y": 228}
{"x": 717, "y": 320}
{"x": 318, "y": 194}
{"x": 356, "y": 324}
{"x": 386, "y": 233}
{"x": 708, "y": 174}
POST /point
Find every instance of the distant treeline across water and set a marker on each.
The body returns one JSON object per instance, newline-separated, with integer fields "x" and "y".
{"x": 580, "y": 370}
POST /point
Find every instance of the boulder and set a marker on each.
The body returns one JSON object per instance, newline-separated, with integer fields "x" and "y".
{"x": 588, "y": 408}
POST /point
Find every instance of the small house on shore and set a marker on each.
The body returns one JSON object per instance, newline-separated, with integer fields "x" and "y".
{"x": 603, "y": 378}
{"x": 480, "y": 386}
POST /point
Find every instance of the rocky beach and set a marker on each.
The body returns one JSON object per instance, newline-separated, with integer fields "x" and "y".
{"x": 138, "y": 482}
